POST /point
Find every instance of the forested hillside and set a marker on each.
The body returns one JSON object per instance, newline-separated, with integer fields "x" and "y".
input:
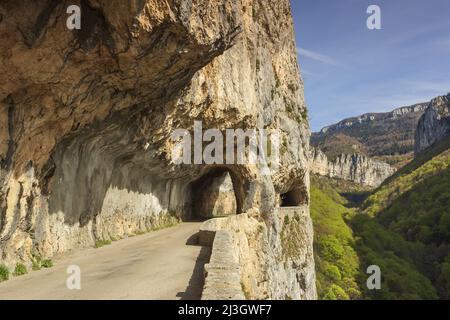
{"x": 337, "y": 263}
{"x": 403, "y": 227}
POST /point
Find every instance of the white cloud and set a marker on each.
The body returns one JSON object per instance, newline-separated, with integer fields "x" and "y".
{"x": 318, "y": 57}
{"x": 305, "y": 72}
{"x": 420, "y": 30}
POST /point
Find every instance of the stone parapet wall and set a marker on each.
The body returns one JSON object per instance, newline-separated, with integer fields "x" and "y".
{"x": 251, "y": 260}
{"x": 222, "y": 273}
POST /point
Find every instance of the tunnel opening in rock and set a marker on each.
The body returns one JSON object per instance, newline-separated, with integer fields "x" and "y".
{"x": 290, "y": 199}
{"x": 105, "y": 186}
{"x": 215, "y": 194}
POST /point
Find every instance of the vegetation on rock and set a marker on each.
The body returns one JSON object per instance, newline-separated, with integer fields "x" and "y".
{"x": 4, "y": 273}
{"x": 403, "y": 227}
{"x": 20, "y": 269}
{"x": 387, "y": 136}
{"x": 337, "y": 263}
{"x": 47, "y": 263}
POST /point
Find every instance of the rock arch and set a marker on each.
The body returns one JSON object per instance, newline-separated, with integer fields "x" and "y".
{"x": 217, "y": 192}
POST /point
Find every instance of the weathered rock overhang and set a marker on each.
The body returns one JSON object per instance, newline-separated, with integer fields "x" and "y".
{"x": 86, "y": 119}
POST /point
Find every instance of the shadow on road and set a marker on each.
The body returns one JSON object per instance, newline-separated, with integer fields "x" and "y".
{"x": 193, "y": 240}
{"x": 196, "y": 282}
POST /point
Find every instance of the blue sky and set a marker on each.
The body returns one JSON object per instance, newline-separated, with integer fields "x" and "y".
{"x": 349, "y": 70}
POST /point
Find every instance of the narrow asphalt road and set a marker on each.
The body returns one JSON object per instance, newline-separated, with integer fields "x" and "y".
{"x": 159, "y": 265}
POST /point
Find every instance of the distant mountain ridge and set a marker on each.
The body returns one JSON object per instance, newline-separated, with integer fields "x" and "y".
{"x": 387, "y": 136}
{"x": 373, "y": 116}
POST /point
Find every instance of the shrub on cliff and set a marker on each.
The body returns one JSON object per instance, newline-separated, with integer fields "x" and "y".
{"x": 4, "y": 273}
{"x": 20, "y": 269}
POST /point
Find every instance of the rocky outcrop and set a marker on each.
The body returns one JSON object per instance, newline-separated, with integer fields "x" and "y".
{"x": 86, "y": 119}
{"x": 258, "y": 247}
{"x": 434, "y": 125}
{"x": 375, "y": 117}
{"x": 356, "y": 168}
{"x": 388, "y": 134}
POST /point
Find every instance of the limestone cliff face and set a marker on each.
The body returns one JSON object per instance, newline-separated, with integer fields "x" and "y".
{"x": 86, "y": 119}
{"x": 434, "y": 124}
{"x": 372, "y": 134}
{"x": 373, "y": 117}
{"x": 357, "y": 168}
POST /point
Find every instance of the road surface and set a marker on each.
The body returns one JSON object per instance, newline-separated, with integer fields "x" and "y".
{"x": 159, "y": 265}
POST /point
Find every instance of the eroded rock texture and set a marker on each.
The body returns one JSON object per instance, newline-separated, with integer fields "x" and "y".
{"x": 352, "y": 167}
{"x": 434, "y": 125}
{"x": 259, "y": 248}
{"x": 86, "y": 116}
{"x": 372, "y": 134}
{"x": 216, "y": 196}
